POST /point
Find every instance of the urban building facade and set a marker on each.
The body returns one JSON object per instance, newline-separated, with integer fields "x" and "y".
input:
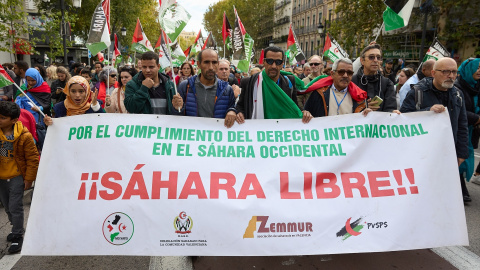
{"x": 282, "y": 19}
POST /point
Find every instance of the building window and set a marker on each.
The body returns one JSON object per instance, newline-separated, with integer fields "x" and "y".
{"x": 308, "y": 21}
{"x": 320, "y": 16}
{"x": 313, "y": 21}
{"x": 301, "y": 45}
{"x": 311, "y": 47}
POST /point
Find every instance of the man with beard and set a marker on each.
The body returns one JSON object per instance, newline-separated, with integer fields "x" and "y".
{"x": 425, "y": 71}
{"x": 205, "y": 95}
{"x": 369, "y": 79}
{"x": 438, "y": 93}
{"x": 268, "y": 94}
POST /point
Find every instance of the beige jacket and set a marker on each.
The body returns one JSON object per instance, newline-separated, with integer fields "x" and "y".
{"x": 115, "y": 104}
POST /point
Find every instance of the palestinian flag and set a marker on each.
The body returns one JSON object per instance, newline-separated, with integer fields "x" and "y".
{"x": 332, "y": 50}
{"x": 140, "y": 41}
{"x": 99, "y": 35}
{"x": 187, "y": 51}
{"x": 5, "y": 79}
{"x": 295, "y": 52}
{"x": 397, "y": 13}
{"x": 117, "y": 56}
{"x": 172, "y": 17}
{"x": 197, "y": 45}
{"x": 436, "y": 51}
{"x": 210, "y": 43}
{"x": 227, "y": 32}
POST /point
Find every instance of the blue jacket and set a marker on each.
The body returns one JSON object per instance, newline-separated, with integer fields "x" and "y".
{"x": 61, "y": 111}
{"x": 456, "y": 109}
{"x": 225, "y": 99}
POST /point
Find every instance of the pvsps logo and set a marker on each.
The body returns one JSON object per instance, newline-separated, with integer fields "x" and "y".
{"x": 350, "y": 229}
{"x": 118, "y": 228}
{"x": 183, "y": 224}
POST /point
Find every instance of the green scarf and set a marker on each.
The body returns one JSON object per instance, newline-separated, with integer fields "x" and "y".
{"x": 277, "y": 104}
{"x": 299, "y": 84}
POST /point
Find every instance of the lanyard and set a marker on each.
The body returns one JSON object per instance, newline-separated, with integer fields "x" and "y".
{"x": 278, "y": 82}
{"x": 338, "y": 104}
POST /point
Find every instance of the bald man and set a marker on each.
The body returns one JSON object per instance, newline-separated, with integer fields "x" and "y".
{"x": 438, "y": 93}
{"x": 425, "y": 71}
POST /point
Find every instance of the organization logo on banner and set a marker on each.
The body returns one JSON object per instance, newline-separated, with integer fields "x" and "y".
{"x": 183, "y": 224}
{"x": 268, "y": 229}
{"x": 118, "y": 228}
{"x": 355, "y": 228}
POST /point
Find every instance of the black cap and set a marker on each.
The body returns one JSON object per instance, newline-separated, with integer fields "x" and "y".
{"x": 389, "y": 61}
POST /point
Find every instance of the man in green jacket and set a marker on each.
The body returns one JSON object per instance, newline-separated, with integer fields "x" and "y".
{"x": 149, "y": 92}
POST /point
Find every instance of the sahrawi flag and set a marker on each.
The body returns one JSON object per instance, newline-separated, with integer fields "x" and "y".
{"x": 5, "y": 79}
{"x": 294, "y": 52}
{"x": 177, "y": 54}
{"x": 140, "y": 41}
{"x": 163, "y": 51}
{"x": 397, "y": 13}
{"x": 197, "y": 45}
{"x": 436, "y": 51}
{"x": 117, "y": 56}
{"x": 332, "y": 50}
{"x": 239, "y": 58}
{"x": 210, "y": 43}
{"x": 227, "y": 32}
{"x": 99, "y": 35}
{"x": 172, "y": 17}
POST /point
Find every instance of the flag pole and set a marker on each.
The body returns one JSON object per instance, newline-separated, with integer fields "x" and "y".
{"x": 171, "y": 65}
{"x": 379, "y": 31}
{"x": 33, "y": 103}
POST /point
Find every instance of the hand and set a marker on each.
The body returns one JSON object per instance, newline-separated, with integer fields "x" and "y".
{"x": 460, "y": 161}
{"x": 371, "y": 43}
{"x": 94, "y": 98}
{"x": 400, "y": 61}
{"x": 240, "y": 118}
{"x": 34, "y": 108}
{"x": 366, "y": 111}
{"x": 373, "y": 105}
{"x": 397, "y": 112}
{"x": 438, "y": 108}
{"x": 307, "y": 116}
{"x": 59, "y": 90}
{"x": 148, "y": 83}
{"x": 28, "y": 184}
{"x": 107, "y": 100}
{"x": 4, "y": 97}
{"x": 230, "y": 119}
{"x": 177, "y": 101}
{"x": 236, "y": 90}
{"x": 48, "y": 120}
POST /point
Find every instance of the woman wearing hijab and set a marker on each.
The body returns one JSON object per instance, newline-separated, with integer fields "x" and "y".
{"x": 468, "y": 82}
{"x": 80, "y": 100}
{"x": 38, "y": 91}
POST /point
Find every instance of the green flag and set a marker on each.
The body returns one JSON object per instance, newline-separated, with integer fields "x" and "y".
{"x": 397, "y": 14}
{"x": 276, "y": 103}
{"x": 173, "y": 18}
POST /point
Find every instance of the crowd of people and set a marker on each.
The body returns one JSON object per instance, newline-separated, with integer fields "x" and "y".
{"x": 215, "y": 88}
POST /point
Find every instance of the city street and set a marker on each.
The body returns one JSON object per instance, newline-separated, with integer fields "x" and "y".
{"x": 456, "y": 257}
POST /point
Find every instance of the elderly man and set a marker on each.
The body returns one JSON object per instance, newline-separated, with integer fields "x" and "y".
{"x": 371, "y": 80}
{"x": 426, "y": 71}
{"x": 336, "y": 95}
{"x": 204, "y": 95}
{"x": 315, "y": 63}
{"x": 298, "y": 71}
{"x": 269, "y": 95}
{"x": 437, "y": 93}
{"x": 306, "y": 71}
{"x": 223, "y": 73}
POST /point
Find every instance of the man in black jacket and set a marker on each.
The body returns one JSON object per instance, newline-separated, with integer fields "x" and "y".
{"x": 273, "y": 61}
{"x": 438, "y": 93}
{"x": 370, "y": 79}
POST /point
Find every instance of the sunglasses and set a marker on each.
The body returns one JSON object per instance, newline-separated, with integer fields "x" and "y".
{"x": 372, "y": 57}
{"x": 270, "y": 61}
{"x": 113, "y": 75}
{"x": 315, "y": 64}
{"x": 342, "y": 72}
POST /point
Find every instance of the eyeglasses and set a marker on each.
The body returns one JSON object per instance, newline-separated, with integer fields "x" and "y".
{"x": 270, "y": 61}
{"x": 315, "y": 64}
{"x": 113, "y": 75}
{"x": 342, "y": 72}
{"x": 372, "y": 57}
{"x": 446, "y": 72}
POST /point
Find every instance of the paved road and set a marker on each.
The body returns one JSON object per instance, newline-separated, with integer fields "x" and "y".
{"x": 416, "y": 259}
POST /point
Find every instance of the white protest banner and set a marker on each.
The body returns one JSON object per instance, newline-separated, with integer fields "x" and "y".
{"x": 114, "y": 184}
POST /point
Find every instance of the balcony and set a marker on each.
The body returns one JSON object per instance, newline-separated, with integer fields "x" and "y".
{"x": 284, "y": 3}
{"x": 283, "y": 20}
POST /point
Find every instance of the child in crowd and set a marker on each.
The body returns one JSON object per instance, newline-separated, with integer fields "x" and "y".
{"x": 18, "y": 168}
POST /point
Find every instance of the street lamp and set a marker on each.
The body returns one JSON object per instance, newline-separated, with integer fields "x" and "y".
{"x": 320, "y": 29}
{"x": 124, "y": 31}
{"x": 77, "y": 3}
{"x": 270, "y": 43}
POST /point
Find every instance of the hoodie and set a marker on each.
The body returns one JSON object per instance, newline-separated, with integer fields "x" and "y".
{"x": 18, "y": 155}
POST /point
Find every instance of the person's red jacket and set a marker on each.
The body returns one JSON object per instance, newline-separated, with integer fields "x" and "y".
{"x": 28, "y": 121}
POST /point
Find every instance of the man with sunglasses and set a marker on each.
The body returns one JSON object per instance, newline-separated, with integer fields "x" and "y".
{"x": 205, "y": 95}
{"x": 279, "y": 90}
{"x": 370, "y": 79}
{"x": 336, "y": 95}
{"x": 315, "y": 63}
{"x": 438, "y": 93}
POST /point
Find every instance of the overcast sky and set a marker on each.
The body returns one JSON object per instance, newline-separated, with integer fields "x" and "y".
{"x": 196, "y": 8}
